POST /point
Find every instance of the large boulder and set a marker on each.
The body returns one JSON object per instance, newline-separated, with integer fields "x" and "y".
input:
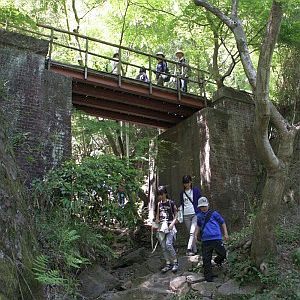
{"x": 232, "y": 290}
{"x": 95, "y": 281}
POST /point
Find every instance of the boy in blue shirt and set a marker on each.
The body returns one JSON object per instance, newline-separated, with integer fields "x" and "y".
{"x": 209, "y": 225}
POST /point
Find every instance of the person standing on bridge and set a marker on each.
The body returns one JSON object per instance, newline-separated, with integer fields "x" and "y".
{"x": 181, "y": 71}
{"x": 142, "y": 76}
{"x": 188, "y": 204}
{"x": 116, "y": 65}
{"x": 161, "y": 69}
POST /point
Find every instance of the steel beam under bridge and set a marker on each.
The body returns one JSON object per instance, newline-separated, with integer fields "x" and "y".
{"x": 124, "y": 99}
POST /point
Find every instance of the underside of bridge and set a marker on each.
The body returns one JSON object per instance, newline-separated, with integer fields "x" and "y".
{"x": 124, "y": 99}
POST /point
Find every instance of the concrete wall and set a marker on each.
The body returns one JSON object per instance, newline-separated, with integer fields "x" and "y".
{"x": 216, "y": 147}
{"x": 37, "y": 104}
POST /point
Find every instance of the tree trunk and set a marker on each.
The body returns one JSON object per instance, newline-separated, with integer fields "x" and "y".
{"x": 263, "y": 241}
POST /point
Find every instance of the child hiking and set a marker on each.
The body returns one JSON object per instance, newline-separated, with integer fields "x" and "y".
{"x": 209, "y": 223}
{"x": 166, "y": 218}
{"x": 188, "y": 204}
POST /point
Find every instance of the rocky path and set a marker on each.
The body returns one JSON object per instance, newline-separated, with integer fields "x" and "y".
{"x": 137, "y": 276}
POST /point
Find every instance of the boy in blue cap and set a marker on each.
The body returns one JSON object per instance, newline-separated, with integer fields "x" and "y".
{"x": 209, "y": 225}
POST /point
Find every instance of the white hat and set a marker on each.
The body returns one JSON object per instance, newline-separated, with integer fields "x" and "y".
{"x": 179, "y": 51}
{"x": 203, "y": 202}
{"x": 160, "y": 53}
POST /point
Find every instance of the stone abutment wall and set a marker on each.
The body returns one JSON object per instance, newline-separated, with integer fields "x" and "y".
{"x": 36, "y": 102}
{"x": 216, "y": 147}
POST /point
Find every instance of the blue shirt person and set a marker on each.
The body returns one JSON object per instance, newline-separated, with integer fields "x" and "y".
{"x": 209, "y": 224}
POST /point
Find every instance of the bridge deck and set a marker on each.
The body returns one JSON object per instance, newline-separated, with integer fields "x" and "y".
{"x": 111, "y": 96}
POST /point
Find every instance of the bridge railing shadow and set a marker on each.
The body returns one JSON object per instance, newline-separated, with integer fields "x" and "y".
{"x": 90, "y": 53}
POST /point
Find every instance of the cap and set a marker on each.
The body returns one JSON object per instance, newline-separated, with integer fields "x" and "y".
{"x": 160, "y": 53}
{"x": 186, "y": 179}
{"x": 161, "y": 190}
{"x": 202, "y": 202}
{"x": 179, "y": 51}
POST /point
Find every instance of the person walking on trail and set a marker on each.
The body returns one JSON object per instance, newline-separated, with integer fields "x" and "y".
{"x": 181, "y": 70}
{"x": 166, "y": 216}
{"x": 142, "y": 76}
{"x": 161, "y": 69}
{"x": 209, "y": 223}
{"x": 188, "y": 204}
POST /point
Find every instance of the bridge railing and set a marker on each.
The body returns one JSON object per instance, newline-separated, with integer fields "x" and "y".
{"x": 92, "y": 54}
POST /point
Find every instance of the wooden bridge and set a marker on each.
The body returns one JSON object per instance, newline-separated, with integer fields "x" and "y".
{"x": 118, "y": 97}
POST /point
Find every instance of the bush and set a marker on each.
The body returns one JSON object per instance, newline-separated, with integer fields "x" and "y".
{"x": 66, "y": 245}
{"x": 89, "y": 190}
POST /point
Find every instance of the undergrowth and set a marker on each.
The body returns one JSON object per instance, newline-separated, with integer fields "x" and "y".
{"x": 281, "y": 280}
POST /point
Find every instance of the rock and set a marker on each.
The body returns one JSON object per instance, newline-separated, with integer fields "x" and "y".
{"x": 179, "y": 285}
{"x": 140, "y": 293}
{"x": 205, "y": 289}
{"x": 153, "y": 264}
{"x": 177, "y": 282}
{"x": 136, "y": 256}
{"x": 127, "y": 285}
{"x": 188, "y": 262}
{"x": 194, "y": 278}
{"x": 232, "y": 290}
{"x": 96, "y": 280}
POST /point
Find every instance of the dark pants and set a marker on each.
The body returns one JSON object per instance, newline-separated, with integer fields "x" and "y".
{"x": 182, "y": 84}
{"x": 207, "y": 250}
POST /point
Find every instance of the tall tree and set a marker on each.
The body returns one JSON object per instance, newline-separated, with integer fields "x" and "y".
{"x": 276, "y": 163}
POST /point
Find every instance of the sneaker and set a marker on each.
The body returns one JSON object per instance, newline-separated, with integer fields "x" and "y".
{"x": 175, "y": 267}
{"x": 166, "y": 268}
{"x": 190, "y": 253}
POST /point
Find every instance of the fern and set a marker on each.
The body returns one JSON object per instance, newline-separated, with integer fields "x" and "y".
{"x": 68, "y": 236}
{"x": 45, "y": 275}
{"x": 75, "y": 260}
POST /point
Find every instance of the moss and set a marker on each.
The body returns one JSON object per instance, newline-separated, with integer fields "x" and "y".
{"x": 8, "y": 281}
{"x": 296, "y": 257}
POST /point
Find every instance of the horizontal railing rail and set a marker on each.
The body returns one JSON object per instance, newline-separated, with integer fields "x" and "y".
{"x": 128, "y": 64}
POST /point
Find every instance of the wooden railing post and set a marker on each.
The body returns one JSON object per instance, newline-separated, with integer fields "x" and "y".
{"x": 86, "y": 58}
{"x": 150, "y": 75}
{"x": 178, "y": 83}
{"x": 50, "y": 49}
{"x": 119, "y": 69}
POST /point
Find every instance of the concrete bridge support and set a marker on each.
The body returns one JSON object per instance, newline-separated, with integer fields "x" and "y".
{"x": 216, "y": 147}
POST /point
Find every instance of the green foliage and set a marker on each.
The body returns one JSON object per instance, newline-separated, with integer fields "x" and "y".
{"x": 290, "y": 236}
{"x": 279, "y": 281}
{"x": 290, "y": 27}
{"x": 296, "y": 257}
{"x": 15, "y": 16}
{"x": 88, "y": 190}
{"x": 45, "y": 275}
{"x": 67, "y": 245}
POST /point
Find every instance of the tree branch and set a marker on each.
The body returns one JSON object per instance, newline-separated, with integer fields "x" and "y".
{"x": 237, "y": 28}
{"x": 263, "y": 105}
{"x": 234, "y": 7}
{"x": 264, "y": 63}
{"x": 214, "y": 10}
